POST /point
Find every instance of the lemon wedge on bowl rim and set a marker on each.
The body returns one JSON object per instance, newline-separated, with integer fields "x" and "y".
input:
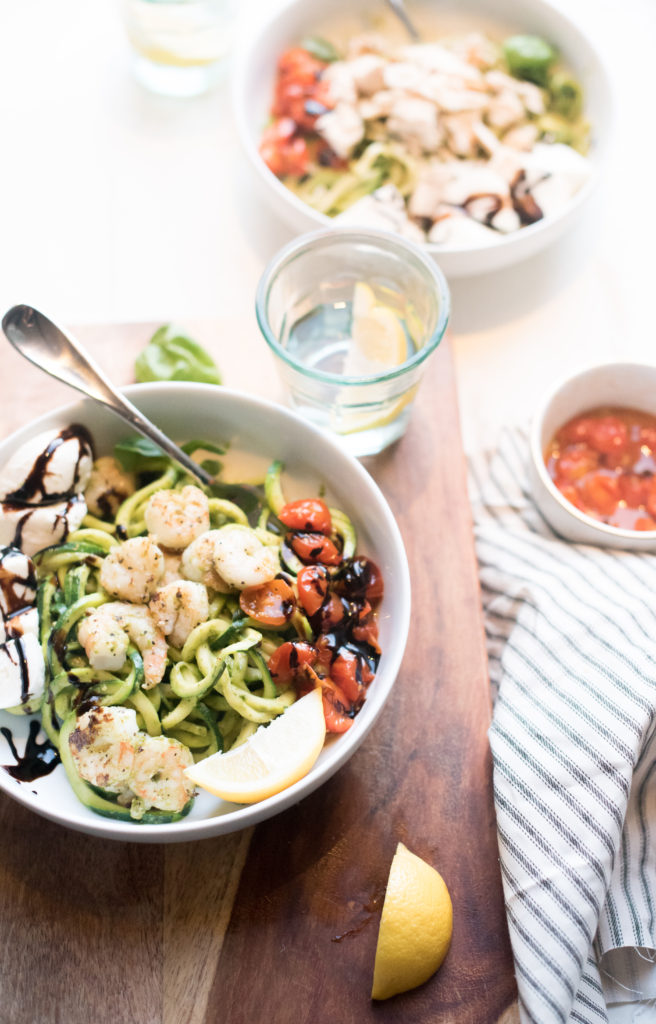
{"x": 415, "y": 926}
{"x": 275, "y": 757}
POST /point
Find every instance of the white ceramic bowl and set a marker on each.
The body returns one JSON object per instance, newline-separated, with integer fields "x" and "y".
{"x": 628, "y": 385}
{"x": 262, "y": 431}
{"x": 254, "y": 73}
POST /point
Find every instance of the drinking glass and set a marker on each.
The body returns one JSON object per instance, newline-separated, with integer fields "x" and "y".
{"x": 352, "y": 316}
{"x": 179, "y": 45}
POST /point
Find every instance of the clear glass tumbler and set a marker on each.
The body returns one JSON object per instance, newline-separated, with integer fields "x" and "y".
{"x": 352, "y": 316}
{"x": 179, "y": 45}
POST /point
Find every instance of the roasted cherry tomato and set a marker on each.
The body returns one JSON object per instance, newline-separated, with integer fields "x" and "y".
{"x": 332, "y": 613}
{"x": 283, "y": 151}
{"x": 312, "y": 583}
{"x": 308, "y": 514}
{"x": 360, "y": 578}
{"x": 315, "y": 547}
{"x": 336, "y": 707}
{"x": 346, "y": 671}
{"x": 270, "y": 603}
{"x": 288, "y": 661}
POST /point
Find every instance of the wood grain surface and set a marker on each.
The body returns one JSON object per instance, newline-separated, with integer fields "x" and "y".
{"x": 279, "y": 924}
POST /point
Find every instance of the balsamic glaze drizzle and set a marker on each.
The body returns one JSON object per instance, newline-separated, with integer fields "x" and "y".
{"x": 38, "y": 759}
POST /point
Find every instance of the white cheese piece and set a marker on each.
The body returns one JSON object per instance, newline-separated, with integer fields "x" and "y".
{"x": 38, "y": 526}
{"x": 22, "y": 674}
{"x": 26, "y": 621}
{"x": 17, "y": 581}
{"x": 49, "y": 466}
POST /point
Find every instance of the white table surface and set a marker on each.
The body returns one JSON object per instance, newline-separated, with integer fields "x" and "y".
{"x": 121, "y": 205}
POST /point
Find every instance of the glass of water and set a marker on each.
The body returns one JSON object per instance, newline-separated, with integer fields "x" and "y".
{"x": 351, "y": 316}
{"x": 179, "y": 45}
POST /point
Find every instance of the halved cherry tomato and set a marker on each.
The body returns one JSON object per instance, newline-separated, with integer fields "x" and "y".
{"x": 576, "y": 461}
{"x": 570, "y": 492}
{"x": 650, "y": 501}
{"x": 308, "y": 514}
{"x": 648, "y": 438}
{"x": 315, "y": 547}
{"x": 270, "y": 603}
{"x": 600, "y": 493}
{"x": 336, "y": 707}
{"x": 634, "y": 489}
{"x": 576, "y": 431}
{"x": 608, "y": 435}
{"x": 288, "y": 661}
{"x": 312, "y": 583}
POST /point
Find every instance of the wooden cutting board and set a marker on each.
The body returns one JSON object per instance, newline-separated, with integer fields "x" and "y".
{"x": 278, "y": 924}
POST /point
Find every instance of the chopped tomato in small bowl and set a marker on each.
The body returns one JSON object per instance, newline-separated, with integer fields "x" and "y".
{"x": 593, "y": 457}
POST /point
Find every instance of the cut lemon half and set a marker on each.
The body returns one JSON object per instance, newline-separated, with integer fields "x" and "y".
{"x": 415, "y": 926}
{"x": 275, "y": 757}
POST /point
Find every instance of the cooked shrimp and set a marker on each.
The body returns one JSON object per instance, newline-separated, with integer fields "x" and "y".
{"x": 106, "y": 632}
{"x": 172, "y": 561}
{"x": 175, "y": 518}
{"x": 178, "y": 608}
{"x": 103, "y": 746}
{"x": 234, "y": 555}
{"x": 198, "y": 563}
{"x": 108, "y": 487}
{"x": 132, "y": 570}
{"x": 158, "y": 777}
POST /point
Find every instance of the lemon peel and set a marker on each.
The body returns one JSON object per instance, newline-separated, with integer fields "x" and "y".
{"x": 415, "y": 926}
{"x": 274, "y": 757}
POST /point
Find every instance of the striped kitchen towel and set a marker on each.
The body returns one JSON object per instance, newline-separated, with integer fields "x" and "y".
{"x": 571, "y": 633}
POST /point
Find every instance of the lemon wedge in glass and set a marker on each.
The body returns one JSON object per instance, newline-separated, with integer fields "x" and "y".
{"x": 415, "y": 926}
{"x": 273, "y": 758}
{"x": 378, "y": 340}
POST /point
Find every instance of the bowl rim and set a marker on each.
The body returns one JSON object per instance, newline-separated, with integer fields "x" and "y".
{"x": 242, "y": 69}
{"x": 336, "y": 235}
{"x": 537, "y": 455}
{"x": 342, "y": 747}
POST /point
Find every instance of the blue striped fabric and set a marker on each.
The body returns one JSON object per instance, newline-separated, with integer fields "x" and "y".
{"x": 571, "y": 634}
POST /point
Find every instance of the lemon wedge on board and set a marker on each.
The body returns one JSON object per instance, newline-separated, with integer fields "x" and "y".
{"x": 415, "y": 926}
{"x": 273, "y": 758}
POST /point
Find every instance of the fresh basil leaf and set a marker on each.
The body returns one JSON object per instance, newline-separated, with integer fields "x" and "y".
{"x": 172, "y": 355}
{"x": 320, "y": 48}
{"x": 140, "y": 455}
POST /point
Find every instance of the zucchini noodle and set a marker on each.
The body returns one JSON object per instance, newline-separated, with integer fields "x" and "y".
{"x": 216, "y": 689}
{"x": 332, "y": 191}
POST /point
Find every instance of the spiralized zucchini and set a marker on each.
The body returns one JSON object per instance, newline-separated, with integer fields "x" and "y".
{"x": 216, "y": 690}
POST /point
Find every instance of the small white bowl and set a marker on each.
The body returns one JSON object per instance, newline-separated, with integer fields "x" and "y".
{"x": 627, "y": 385}
{"x": 259, "y": 431}
{"x": 254, "y": 73}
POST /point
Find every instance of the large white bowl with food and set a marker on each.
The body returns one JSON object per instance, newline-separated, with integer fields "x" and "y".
{"x": 295, "y": 20}
{"x": 598, "y": 389}
{"x": 257, "y": 432}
